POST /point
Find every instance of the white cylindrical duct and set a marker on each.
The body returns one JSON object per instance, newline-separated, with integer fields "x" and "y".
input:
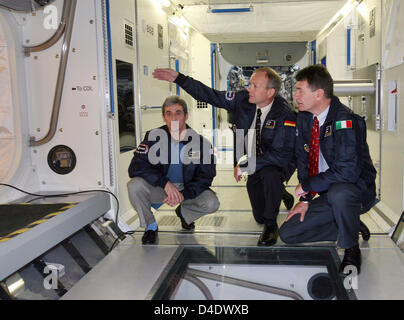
{"x": 354, "y": 88}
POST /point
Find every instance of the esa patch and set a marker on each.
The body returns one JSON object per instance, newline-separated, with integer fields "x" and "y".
{"x": 142, "y": 149}
{"x": 230, "y": 95}
{"x": 270, "y": 124}
{"x": 306, "y": 148}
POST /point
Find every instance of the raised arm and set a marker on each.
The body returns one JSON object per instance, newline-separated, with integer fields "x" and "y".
{"x": 166, "y": 74}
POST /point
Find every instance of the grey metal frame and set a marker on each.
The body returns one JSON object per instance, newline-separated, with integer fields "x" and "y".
{"x": 19, "y": 251}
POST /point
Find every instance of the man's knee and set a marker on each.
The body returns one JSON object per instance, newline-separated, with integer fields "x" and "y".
{"x": 286, "y": 236}
{"x": 214, "y": 204}
{"x": 288, "y": 232}
{"x": 211, "y": 202}
{"x": 340, "y": 193}
{"x": 136, "y": 185}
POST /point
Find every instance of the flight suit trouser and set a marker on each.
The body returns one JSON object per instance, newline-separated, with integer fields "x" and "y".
{"x": 142, "y": 195}
{"x": 265, "y": 189}
{"x": 333, "y": 216}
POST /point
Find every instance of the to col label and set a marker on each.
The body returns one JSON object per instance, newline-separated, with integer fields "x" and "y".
{"x": 82, "y": 88}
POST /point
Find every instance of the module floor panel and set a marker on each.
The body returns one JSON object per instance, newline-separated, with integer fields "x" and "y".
{"x": 136, "y": 271}
{"x": 17, "y": 216}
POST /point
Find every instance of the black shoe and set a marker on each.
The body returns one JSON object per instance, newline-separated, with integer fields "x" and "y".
{"x": 269, "y": 236}
{"x": 364, "y": 231}
{"x": 352, "y": 258}
{"x": 184, "y": 225}
{"x": 150, "y": 236}
{"x": 288, "y": 200}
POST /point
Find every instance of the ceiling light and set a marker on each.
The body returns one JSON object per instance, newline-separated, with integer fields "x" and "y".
{"x": 165, "y": 3}
{"x": 230, "y": 10}
{"x": 161, "y": 3}
{"x": 341, "y": 14}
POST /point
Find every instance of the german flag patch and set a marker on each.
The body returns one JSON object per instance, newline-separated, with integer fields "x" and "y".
{"x": 289, "y": 124}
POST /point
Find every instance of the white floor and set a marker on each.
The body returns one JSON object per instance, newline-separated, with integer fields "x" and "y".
{"x": 234, "y": 199}
{"x": 133, "y": 270}
{"x": 382, "y": 275}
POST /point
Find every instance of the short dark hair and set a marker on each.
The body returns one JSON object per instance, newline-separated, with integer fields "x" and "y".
{"x": 317, "y": 77}
{"x": 274, "y": 80}
{"x": 170, "y": 101}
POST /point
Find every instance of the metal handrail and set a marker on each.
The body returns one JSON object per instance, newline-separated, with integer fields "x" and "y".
{"x": 146, "y": 107}
{"x": 55, "y": 37}
{"x": 242, "y": 283}
{"x": 61, "y": 77}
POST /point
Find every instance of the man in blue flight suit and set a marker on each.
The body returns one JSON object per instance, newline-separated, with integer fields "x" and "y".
{"x": 259, "y": 108}
{"x": 333, "y": 161}
{"x": 173, "y": 165}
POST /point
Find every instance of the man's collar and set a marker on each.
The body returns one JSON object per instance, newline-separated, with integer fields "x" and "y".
{"x": 322, "y": 116}
{"x": 266, "y": 108}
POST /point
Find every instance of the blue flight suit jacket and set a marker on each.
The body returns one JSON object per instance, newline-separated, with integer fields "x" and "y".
{"x": 344, "y": 147}
{"x": 198, "y": 162}
{"x": 279, "y": 128}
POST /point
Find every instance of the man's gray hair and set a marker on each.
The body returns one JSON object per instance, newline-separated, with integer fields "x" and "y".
{"x": 170, "y": 101}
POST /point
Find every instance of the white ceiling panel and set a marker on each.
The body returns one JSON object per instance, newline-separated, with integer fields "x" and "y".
{"x": 271, "y": 20}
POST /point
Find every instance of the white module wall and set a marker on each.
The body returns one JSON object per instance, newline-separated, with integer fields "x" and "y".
{"x": 123, "y": 13}
{"x": 392, "y": 169}
{"x": 368, "y": 34}
{"x": 376, "y": 38}
{"x": 179, "y": 47}
{"x": 81, "y": 124}
{"x": 153, "y": 53}
{"x": 392, "y": 147}
{"x": 200, "y": 69}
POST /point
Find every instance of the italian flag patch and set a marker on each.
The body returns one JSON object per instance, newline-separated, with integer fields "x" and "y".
{"x": 345, "y": 124}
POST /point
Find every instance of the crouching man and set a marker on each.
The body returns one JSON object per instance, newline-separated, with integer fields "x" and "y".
{"x": 173, "y": 165}
{"x": 333, "y": 161}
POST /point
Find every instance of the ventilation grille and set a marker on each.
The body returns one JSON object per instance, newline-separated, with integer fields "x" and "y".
{"x": 201, "y": 105}
{"x": 206, "y": 221}
{"x": 129, "y": 34}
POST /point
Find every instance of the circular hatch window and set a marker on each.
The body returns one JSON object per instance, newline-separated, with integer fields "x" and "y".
{"x": 61, "y": 159}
